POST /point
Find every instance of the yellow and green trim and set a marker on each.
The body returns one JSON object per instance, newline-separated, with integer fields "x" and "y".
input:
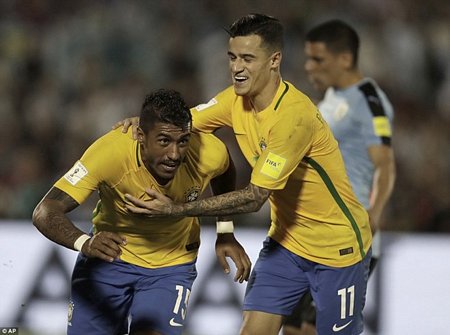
{"x": 334, "y": 193}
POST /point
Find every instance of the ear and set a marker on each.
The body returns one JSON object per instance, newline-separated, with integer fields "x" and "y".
{"x": 276, "y": 59}
{"x": 346, "y": 59}
{"x": 140, "y": 135}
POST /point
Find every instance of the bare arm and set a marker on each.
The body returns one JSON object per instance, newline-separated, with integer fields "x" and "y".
{"x": 382, "y": 157}
{"x": 49, "y": 217}
{"x": 226, "y": 243}
{"x": 247, "y": 200}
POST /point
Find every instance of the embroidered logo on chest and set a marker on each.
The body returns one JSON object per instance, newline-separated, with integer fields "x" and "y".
{"x": 192, "y": 194}
{"x": 262, "y": 144}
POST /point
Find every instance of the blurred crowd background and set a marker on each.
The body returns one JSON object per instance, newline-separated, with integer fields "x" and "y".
{"x": 69, "y": 70}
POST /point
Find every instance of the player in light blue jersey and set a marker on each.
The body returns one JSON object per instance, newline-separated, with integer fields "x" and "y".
{"x": 360, "y": 116}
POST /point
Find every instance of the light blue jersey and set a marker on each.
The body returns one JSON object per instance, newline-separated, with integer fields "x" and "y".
{"x": 359, "y": 116}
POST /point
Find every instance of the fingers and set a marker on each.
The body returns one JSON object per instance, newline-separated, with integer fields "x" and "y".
{"x": 138, "y": 207}
{"x": 137, "y": 210}
{"x": 223, "y": 262}
{"x": 248, "y": 267}
{"x": 159, "y": 205}
{"x": 126, "y": 124}
{"x": 118, "y": 124}
{"x": 134, "y": 131}
{"x": 104, "y": 245}
{"x": 240, "y": 260}
{"x": 243, "y": 267}
{"x": 132, "y": 122}
{"x": 135, "y": 201}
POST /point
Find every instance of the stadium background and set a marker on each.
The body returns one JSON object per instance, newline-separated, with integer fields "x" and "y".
{"x": 69, "y": 70}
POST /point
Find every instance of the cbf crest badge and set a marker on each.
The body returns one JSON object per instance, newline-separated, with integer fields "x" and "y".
{"x": 192, "y": 194}
{"x": 262, "y": 144}
{"x": 70, "y": 312}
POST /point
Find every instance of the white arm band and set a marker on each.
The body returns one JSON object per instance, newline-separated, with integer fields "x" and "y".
{"x": 80, "y": 241}
{"x": 224, "y": 227}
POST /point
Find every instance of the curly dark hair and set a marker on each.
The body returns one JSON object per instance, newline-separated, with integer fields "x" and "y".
{"x": 167, "y": 106}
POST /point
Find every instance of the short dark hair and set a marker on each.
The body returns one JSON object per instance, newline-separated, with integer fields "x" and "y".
{"x": 267, "y": 27}
{"x": 338, "y": 37}
{"x": 167, "y": 106}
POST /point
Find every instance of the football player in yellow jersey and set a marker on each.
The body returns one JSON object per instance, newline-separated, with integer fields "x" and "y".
{"x": 320, "y": 238}
{"x": 361, "y": 117}
{"x": 134, "y": 274}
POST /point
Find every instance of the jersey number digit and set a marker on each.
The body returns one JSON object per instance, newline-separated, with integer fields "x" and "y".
{"x": 176, "y": 308}
{"x": 350, "y": 291}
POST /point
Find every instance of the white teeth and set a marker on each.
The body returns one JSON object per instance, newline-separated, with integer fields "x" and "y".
{"x": 240, "y": 78}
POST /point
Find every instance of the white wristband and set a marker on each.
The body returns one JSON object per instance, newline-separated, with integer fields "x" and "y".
{"x": 80, "y": 241}
{"x": 223, "y": 227}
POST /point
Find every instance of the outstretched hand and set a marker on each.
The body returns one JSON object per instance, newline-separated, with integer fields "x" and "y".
{"x": 228, "y": 246}
{"x": 159, "y": 205}
{"x": 132, "y": 122}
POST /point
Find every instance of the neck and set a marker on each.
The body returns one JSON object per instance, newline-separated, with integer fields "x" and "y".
{"x": 349, "y": 79}
{"x": 263, "y": 99}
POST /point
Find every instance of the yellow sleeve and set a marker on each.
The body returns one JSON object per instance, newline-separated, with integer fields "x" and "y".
{"x": 209, "y": 154}
{"x": 214, "y": 114}
{"x": 98, "y": 164}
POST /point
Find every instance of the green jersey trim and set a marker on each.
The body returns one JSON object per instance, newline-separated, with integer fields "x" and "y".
{"x": 334, "y": 193}
{"x": 282, "y": 95}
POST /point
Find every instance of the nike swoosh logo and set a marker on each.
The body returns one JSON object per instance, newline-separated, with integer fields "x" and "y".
{"x": 175, "y": 324}
{"x": 337, "y": 328}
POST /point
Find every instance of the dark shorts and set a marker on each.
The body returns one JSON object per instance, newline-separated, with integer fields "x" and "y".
{"x": 114, "y": 298}
{"x": 305, "y": 311}
{"x": 280, "y": 278}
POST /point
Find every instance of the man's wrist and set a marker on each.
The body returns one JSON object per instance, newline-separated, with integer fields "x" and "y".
{"x": 224, "y": 227}
{"x": 79, "y": 242}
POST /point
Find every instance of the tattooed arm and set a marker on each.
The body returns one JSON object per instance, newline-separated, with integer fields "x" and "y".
{"x": 250, "y": 199}
{"x": 247, "y": 200}
{"x": 227, "y": 246}
{"x": 49, "y": 217}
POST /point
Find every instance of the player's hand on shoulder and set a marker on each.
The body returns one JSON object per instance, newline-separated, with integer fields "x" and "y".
{"x": 228, "y": 246}
{"x": 104, "y": 245}
{"x": 132, "y": 122}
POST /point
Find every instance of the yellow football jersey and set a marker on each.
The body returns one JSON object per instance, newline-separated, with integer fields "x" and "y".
{"x": 113, "y": 166}
{"x": 292, "y": 151}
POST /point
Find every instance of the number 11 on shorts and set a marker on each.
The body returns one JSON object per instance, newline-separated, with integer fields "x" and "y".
{"x": 343, "y": 293}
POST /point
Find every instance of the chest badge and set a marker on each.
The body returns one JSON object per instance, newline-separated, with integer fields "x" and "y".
{"x": 262, "y": 144}
{"x": 192, "y": 194}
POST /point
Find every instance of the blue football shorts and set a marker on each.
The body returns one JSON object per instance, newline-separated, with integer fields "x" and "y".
{"x": 117, "y": 298}
{"x": 280, "y": 278}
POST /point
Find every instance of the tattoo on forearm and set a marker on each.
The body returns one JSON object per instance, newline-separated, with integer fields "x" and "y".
{"x": 247, "y": 200}
{"x": 52, "y": 221}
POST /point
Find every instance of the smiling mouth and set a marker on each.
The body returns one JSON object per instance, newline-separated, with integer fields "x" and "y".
{"x": 239, "y": 79}
{"x": 170, "y": 167}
